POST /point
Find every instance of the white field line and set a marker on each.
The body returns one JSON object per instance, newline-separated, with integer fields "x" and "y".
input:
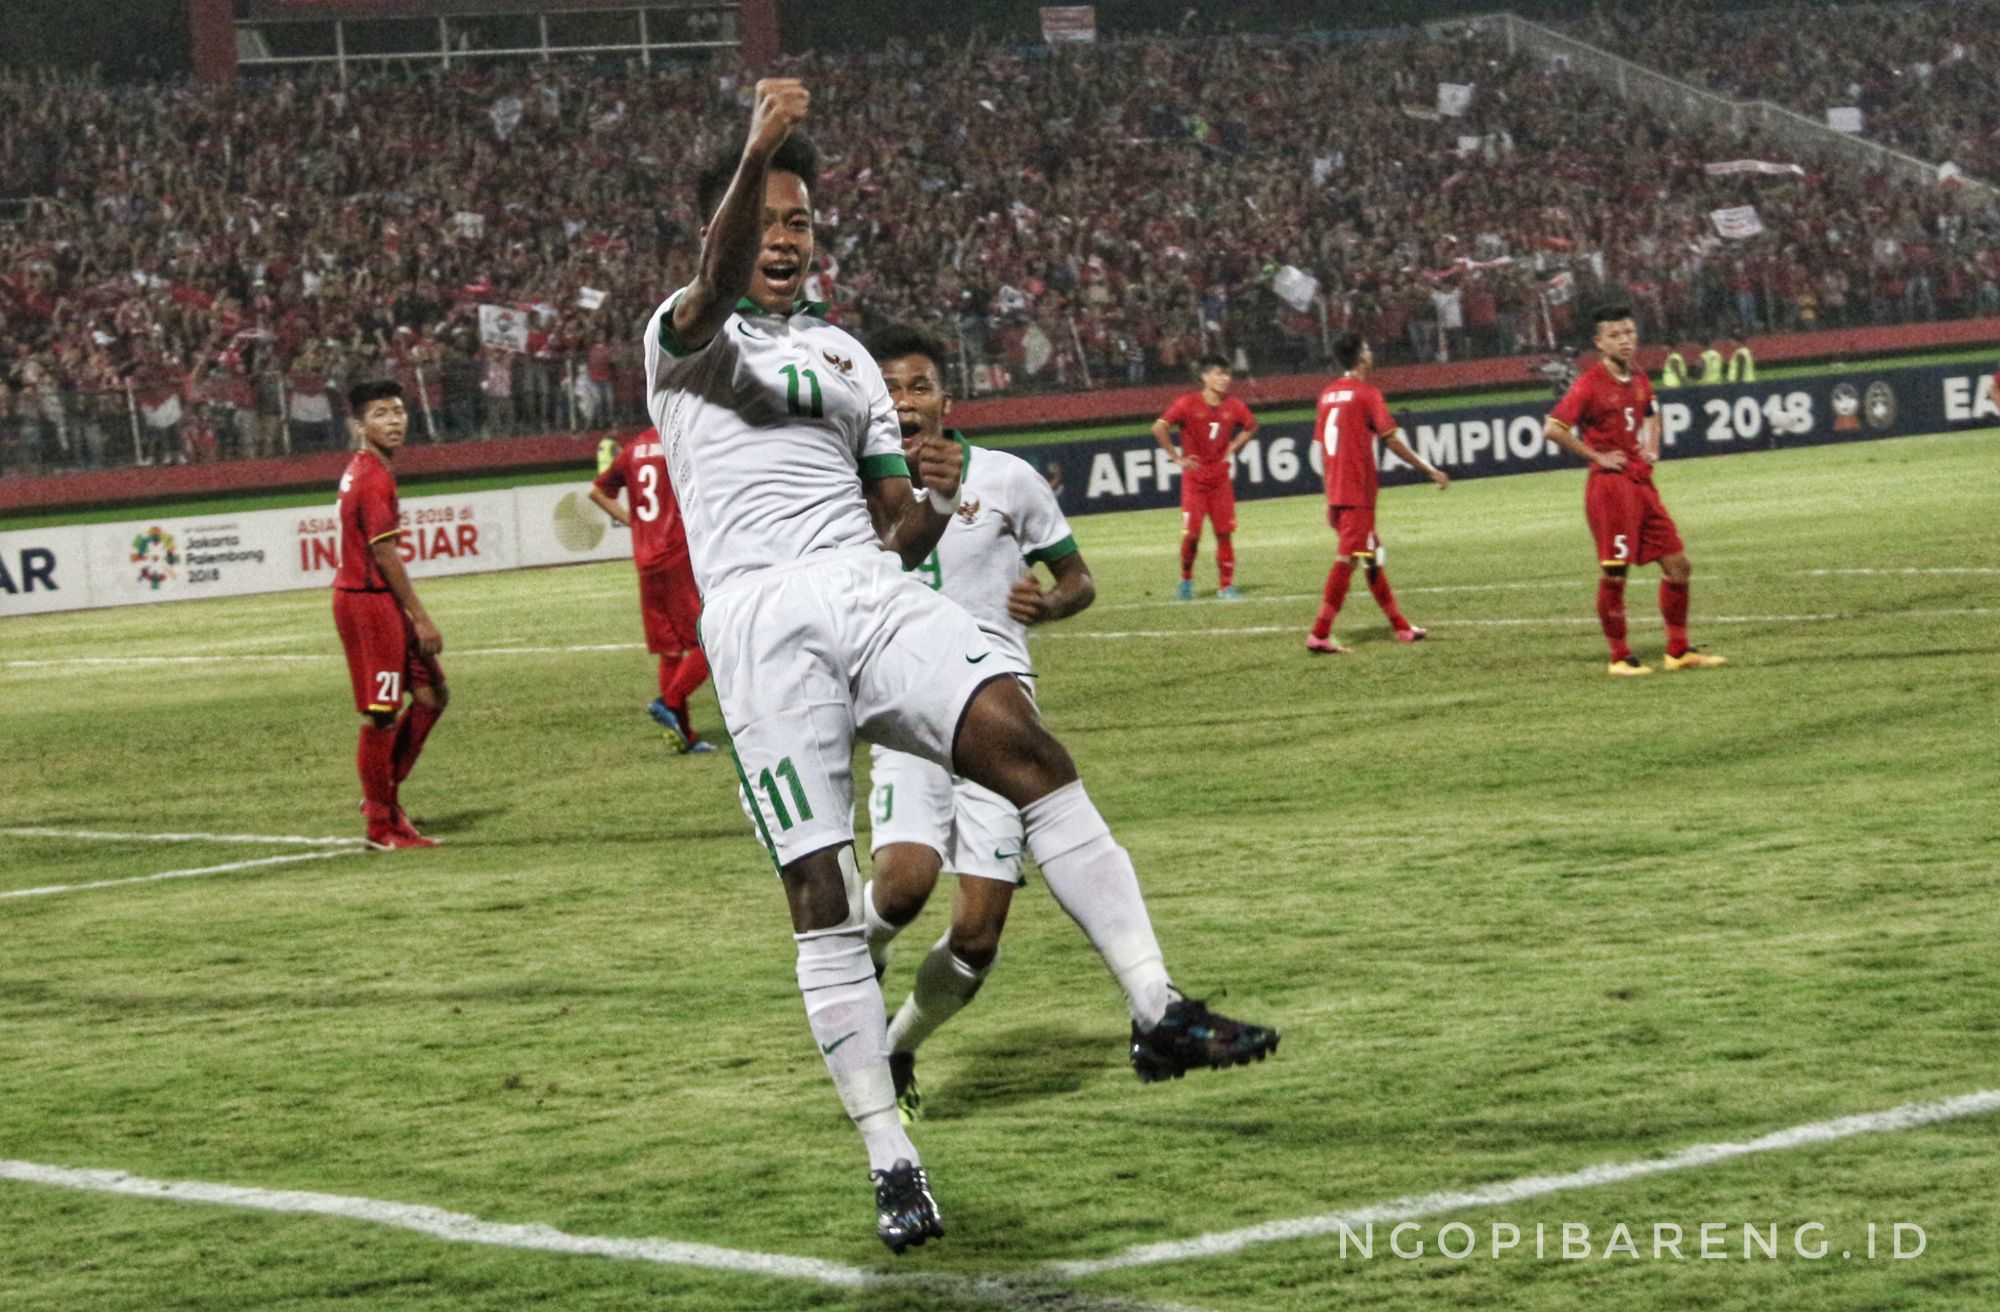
{"x": 181, "y": 874}
{"x": 1910, "y": 1116}
{"x": 1811, "y": 617}
{"x": 105, "y": 836}
{"x": 454, "y": 1227}
{"x": 1018, "y": 1289}
{"x": 1442, "y": 626}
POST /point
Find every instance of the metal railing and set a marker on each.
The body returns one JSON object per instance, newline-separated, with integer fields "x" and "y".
{"x": 1672, "y": 96}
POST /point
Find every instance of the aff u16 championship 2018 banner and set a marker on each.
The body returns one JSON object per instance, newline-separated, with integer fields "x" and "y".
{"x": 171, "y": 557}
{"x": 1286, "y": 459}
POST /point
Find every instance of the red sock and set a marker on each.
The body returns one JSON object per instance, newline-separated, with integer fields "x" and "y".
{"x": 1378, "y": 583}
{"x": 1190, "y": 543}
{"x": 1611, "y": 614}
{"x": 689, "y": 673}
{"x": 668, "y": 665}
{"x": 1225, "y": 558}
{"x": 1336, "y": 592}
{"x": 375, "y": 759}
{"x": 411, "y": 730}
{"x": 1674, "y": 610}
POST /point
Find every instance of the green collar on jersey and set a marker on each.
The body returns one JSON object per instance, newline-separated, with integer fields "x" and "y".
{"x": 959, "y": 438}
{"x": 817, "y": 309}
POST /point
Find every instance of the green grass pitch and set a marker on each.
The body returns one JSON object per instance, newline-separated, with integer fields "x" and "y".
{"x": 1515, "y": 919}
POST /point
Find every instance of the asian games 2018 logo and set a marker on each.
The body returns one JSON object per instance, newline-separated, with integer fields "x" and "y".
{"x": 156, "y": 554}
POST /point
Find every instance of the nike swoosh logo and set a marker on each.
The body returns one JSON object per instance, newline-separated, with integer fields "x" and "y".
{"x": 827, "y": 1048}
{"x": 1005, "y": 856}
{"x": 744, "y": 328}
{"x": 974, "y": 660}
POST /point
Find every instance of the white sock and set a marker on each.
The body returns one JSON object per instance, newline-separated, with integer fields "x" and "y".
{"x": 844, "y": 1008}
{"x": 1091, "y": 877}
{"x": 880, "y": 932}
{"x": 944, "y": 985}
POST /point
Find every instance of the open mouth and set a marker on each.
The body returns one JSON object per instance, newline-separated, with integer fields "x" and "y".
{"x": 779, "y": 271}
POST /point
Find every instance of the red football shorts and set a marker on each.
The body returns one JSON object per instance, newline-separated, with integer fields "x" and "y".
{"x": 1356, "y": 526}
{"x": 1203, "y": 499}
{"x": 383, "y": 661}
{"x": 1631, "y": 525}
{"x": 671, "y": 606}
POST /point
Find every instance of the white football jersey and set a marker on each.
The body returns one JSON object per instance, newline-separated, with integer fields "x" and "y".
{"x": 769, "y": 431}
{"x": 1007, "y": 518}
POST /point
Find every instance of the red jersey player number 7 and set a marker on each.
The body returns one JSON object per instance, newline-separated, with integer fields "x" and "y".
{"x": 1213, "y": 427}
{"x": 1610, "y": 420}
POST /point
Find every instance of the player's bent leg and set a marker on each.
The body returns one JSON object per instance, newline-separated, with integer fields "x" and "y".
{"x": 949, "y": 978}
{"x": 905, "y": 874}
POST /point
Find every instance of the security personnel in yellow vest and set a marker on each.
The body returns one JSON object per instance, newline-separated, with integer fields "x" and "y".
{"x": 1711, "y": 367}
{"x": 1742, "y": 366}
{"x": 607, "y": 451}
{"x": 1674, "y": 373}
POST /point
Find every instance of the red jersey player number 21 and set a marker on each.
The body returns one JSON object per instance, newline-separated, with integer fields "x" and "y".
{"x": 390, "y": 641}
{"x": 1609, "y": 419}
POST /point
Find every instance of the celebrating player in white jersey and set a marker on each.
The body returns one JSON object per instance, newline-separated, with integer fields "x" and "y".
{"x": 925, "y": 819}
{"x": 785, "y": 453}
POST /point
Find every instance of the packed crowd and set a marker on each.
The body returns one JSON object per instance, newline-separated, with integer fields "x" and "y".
{"x": 1925, "y": 76}
{"x": 201, "y": 269}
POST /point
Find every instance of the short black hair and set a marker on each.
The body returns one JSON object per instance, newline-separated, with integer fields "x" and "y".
{"x": 1347, "y": 348}
{"x": 1209, "y": 362}
{"x": 1609, "y": 312}
{"x": 363, "y": 394}
{"x": 796, "y": 155}
{"x": 897, "y": 340}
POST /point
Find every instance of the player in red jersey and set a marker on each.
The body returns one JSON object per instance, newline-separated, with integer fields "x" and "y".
{"x": 391, "y": 644}
{"x": 1352, "y": 417}
{"x": 1214, "y": 426}
{"x": 668, "y": 600}
{"x": 1609, "y": 419}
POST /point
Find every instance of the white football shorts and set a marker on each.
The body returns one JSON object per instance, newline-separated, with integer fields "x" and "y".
{"x": 809, "y": 655}
{"x": 974, "y": 830}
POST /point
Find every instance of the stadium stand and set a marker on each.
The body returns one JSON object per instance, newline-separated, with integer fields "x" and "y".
{"x": 1922, "y": 75}
{"x": 193, "y": 272}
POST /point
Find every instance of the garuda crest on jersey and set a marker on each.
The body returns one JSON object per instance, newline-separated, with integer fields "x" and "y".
{"x": 968, "y": 511}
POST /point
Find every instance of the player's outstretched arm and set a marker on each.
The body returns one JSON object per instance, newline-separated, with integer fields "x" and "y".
{"x": 1393, "y": 439}
{"x": 735, "y": 231}
{"x": 1075, "y": 589}
{"x": 405, "y": 593}
{"x": 611, "y": 506}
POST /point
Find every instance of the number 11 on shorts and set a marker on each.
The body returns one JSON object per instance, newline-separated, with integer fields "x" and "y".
{"x": 790, "y": 774}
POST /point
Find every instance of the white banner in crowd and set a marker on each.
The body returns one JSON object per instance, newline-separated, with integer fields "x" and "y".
{"x": 1454, "y": 98}
{"x": 503, "y": 327}
{"x": 169, "y": 557}
{"x": 1738, "y": 222}
{"x": 1295, "y": 287}
{"x": 1845, "y": 119}
{"x": 1729, "y": 166}
{"x": 1069, "y": 23}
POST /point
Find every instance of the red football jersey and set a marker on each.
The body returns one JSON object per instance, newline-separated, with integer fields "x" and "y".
{"x": 1606, "y": 415}
{"x": 1352, "y": 418}
{"x": 640, "y": 471}
{"x": 368, "y": 513}
{"x": 1207, "y": 430}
